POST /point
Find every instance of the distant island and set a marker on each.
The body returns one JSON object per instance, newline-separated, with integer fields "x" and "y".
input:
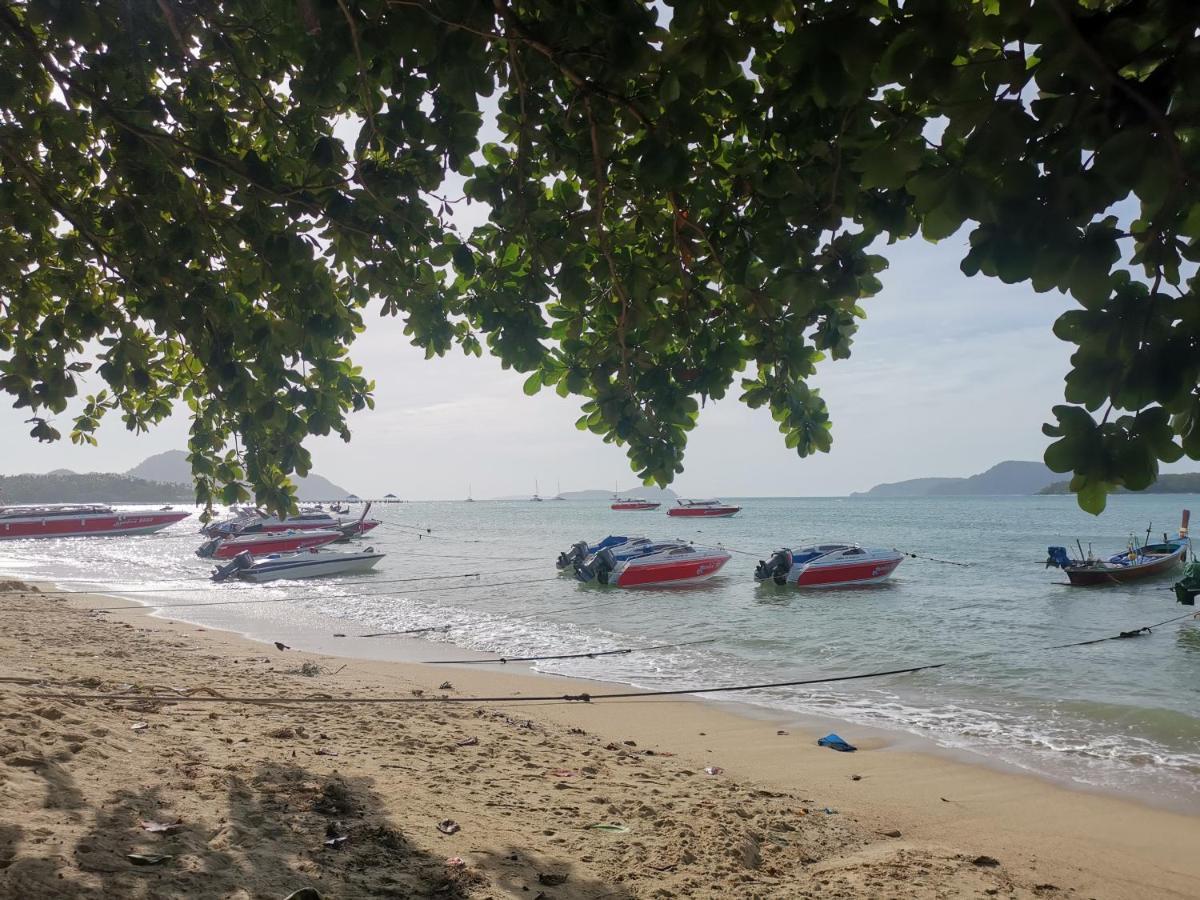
{"x": 641, "y": 492}
{"x": 1006, "y": 478}
{"x": 162, "y": 478}
{"x": 65, "y": 486}
{"x": 1184, "y": 483}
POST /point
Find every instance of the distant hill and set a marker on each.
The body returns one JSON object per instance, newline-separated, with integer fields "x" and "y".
{"x": 1185, "y": 483}
{"x": 65, "y": 486}
{"x": 1009, "y": 477}
{"x": 641, "y": 492}
{"x": 172, "y": 467}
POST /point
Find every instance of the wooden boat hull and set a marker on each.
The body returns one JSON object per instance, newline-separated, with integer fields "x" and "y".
{"x": 1086, "y": 576}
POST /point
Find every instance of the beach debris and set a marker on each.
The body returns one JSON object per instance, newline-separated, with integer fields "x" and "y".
{"x": 891, "y": 834}
{"x": 417, "y": 692}
{"x": 781, "y": 731}
{"x": 334, "y": 836}
{"x": 321, "y": 751}
{"x": 986, "y": 862}
{"x": 608, "y": 827}
{"x": 448, "y": 826}
{"x": 148, "y": 859}
{"x": 563, "y": 773}
{"x": 829, "y": 812}
{"x": 304, "y": 894}
{"x": 713, "y": 770}
{"x": 833, "y": 742}
{"x": 280, "y": 645}
{"x": 552, "y": 879}
{"x": 445, "y": 686}
{"x": 139, "y": 726}
{"x": 467, "y": 742}
{"x": 161, "y": 827}
{"x": 456, "y": 862}
{"x": 576, "y": 731}
{"x": 856, "y": 778}
{"x": 336, "y": 634}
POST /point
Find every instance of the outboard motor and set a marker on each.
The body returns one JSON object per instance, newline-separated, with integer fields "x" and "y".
{"x": 577, "y": 554}
{"x": 208, "y": 548}
{"x": 243, "y": 560}
{"x": 1058, "y": 558}
{"x": 776, "y": 568}
{"x": 598, "y": 568}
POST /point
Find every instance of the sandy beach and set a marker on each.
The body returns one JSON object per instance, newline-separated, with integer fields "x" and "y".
{"x": 203, "y": 797}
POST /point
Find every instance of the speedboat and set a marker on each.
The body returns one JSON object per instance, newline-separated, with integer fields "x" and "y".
{"x": 714, "y": 509}
{"x": 675, "y": 564}
{"x": 1138, "y": 560}
{"x": 631, "y": 504}
{"x": 81, "y": 520}
{"x": 828, "y": 565}
{"x": 260, "y": 543}
{"x": 308, "y": 564}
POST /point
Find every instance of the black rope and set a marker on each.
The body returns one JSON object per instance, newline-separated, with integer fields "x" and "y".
{"x": 1136, "y": 632}
{"x": 946, "y": 562}
{"x": 584, "y": 698}
{"x": 592, "y": 655}
{"x": 407, "y": 631}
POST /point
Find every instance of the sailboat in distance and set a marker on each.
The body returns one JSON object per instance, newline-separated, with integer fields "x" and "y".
{"x": 559, "y": 496}
{"x": 470, "y": 499}
{"x": 535, "y": 498}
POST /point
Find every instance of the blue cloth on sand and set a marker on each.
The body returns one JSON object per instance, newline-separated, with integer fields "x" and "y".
{"x": 833, "y": 741}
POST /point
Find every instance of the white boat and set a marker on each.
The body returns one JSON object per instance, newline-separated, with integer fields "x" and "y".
{"x": 308, "y": 564}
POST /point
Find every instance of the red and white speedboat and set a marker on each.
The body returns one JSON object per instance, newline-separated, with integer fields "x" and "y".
{"x": 91, "y": 520}
{"x": 713, "y": 509}
{"x": 681, "y": 564}
{"x": 631, "y": 504}
{"x": 262, "y": 543}
{"x": 828, "y": 565}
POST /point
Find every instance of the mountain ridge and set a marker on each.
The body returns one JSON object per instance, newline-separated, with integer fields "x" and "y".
{"x": 1009, "y": 477}
{"x": 172, "y": 467}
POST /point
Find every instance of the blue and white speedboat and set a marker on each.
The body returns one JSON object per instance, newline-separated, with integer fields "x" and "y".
{"x": 308, "y": 564}
{"x": 581, "y": 550}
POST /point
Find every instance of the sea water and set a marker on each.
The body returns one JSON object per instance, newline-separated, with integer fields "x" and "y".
{"x": 1120, "y": 715}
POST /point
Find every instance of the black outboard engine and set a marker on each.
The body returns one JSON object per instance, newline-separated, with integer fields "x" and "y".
{"x": 577, "y": 554}
{"x": 776, "y": 568}
{"x": 1058, "y": 558}
{"x": 208, "y": 548}
{"x": 243, "y": 560}
{"x": 598, "y": 568}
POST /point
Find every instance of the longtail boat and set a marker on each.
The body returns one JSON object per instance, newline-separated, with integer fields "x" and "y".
{"x": 1138, "y": 560}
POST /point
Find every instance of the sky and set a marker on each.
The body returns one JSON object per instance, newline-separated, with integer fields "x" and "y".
{"x": 948, "y": 376}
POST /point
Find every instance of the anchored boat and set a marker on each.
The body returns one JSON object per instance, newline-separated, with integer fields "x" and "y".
{"x": 674, "y": 564}
{"x": 260, "y": 543}
{"x": 632, "y": 504}
{"x": 828, "y": 565}
{"x": 247, "y": 521}
{"x": 308, "y": 564}
{"x": 714, "y": 509}
{"x": 80, "y": 520}
{"x": 1138, "y": 560}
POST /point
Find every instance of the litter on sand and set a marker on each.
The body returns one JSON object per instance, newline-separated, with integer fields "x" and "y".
{"x": 834, "y": 742}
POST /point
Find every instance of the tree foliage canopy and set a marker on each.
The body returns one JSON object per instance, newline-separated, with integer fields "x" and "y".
{"x": 684, "y": 200}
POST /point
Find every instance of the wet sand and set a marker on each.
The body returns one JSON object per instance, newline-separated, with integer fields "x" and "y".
{"x": 252, "y": 792}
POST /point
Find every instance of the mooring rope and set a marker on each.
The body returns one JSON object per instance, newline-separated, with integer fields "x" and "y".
{"x": 587, "y": 655}
{"x": 945, "y": 562}
{"x": 184, "y": 696}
